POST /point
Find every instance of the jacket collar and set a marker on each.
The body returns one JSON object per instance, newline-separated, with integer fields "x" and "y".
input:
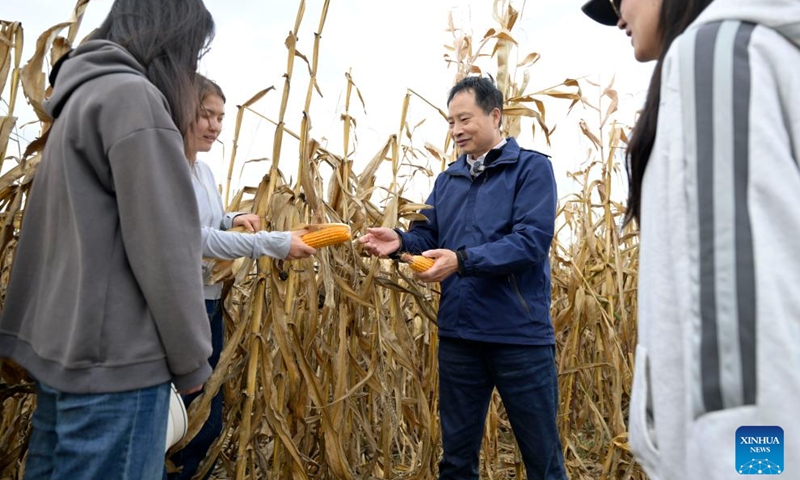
{"x": 509, "y": 153}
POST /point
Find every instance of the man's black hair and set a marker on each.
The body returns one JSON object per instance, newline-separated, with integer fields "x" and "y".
{"x": 487, "y": 96}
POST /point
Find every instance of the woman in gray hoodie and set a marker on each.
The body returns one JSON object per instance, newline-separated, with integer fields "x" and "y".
{"x": 221, "y": 244}
{"x": 105, "y": 298}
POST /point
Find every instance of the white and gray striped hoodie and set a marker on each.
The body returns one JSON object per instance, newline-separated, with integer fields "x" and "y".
{"x": 719, "y": 285}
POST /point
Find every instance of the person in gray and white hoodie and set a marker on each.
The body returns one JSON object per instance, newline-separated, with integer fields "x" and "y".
{"x": 105, "y": 304}
{"x": 714, "y": 170}
{"x": 221, "y": 244}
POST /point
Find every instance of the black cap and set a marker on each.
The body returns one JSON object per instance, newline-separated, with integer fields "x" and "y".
{"x": 601, "y": 11}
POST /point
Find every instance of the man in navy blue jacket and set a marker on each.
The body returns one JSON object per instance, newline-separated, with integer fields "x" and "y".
{"x": 489, "y": 232}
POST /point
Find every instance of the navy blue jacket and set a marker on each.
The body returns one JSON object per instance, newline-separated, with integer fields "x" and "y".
{"x": 504, "y": 221}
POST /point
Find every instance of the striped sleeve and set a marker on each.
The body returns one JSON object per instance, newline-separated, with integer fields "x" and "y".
{"x": 716, "y": 87}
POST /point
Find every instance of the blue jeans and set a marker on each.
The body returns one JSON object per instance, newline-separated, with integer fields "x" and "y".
{"x": 117, "y": 436}
{"x": 526, "y": 378}
{"x": 195, "y": 451}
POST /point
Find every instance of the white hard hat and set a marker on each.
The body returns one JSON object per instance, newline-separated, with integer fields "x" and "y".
{"x": 178, "y": 421}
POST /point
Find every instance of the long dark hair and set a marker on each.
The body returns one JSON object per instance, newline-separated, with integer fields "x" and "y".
{"x": 167, "y": 37}
{"x": 674, "y": 18}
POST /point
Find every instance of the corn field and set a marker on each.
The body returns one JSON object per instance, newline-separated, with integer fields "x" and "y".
{"x": 329, "y": 369}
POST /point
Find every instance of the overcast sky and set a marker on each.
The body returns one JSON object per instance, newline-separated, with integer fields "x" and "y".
{"x": 390, "y": 45}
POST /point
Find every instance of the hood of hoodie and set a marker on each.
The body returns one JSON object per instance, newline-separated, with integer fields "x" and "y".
{"x": 93, "y": 59}
{"x": 780, "y": 15}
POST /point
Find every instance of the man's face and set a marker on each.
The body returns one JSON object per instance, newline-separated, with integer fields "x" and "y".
{"x": 474, "y": 131}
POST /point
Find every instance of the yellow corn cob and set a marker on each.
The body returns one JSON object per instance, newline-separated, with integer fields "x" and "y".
{"x": 326, "y": 236}
{"x": 418, "y": 263}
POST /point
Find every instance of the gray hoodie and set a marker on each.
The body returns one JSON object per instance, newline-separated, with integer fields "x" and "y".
{"x": 718, "y": 357}
{"x": 106, "y": 290}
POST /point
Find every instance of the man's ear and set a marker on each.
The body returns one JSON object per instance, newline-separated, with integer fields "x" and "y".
{"x": 496, "y": 117}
